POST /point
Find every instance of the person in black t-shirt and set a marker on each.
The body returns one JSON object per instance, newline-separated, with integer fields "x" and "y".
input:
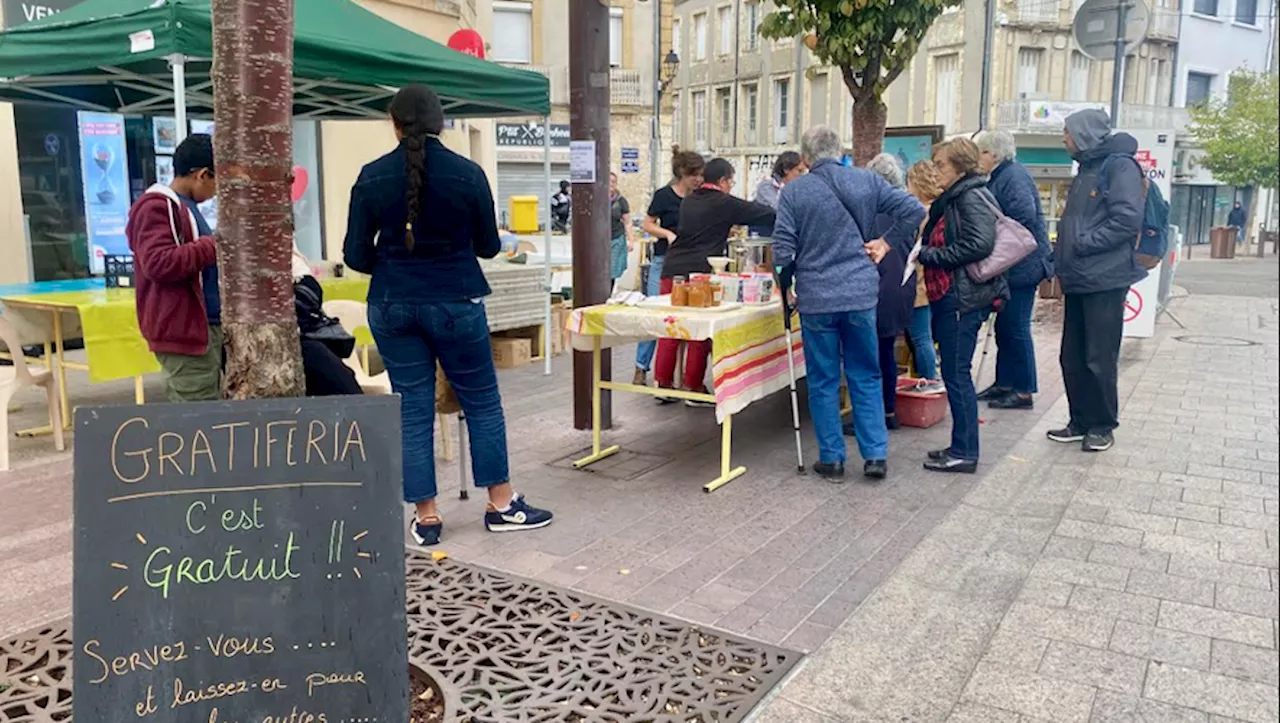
{"x": 662, "y": 222}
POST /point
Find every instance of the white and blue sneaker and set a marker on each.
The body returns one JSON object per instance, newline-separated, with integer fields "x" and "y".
{"x": 428, "y": 533}
{"x": 518, "y": 515}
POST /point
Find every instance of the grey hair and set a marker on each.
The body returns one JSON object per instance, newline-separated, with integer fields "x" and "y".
{"x": 887, "y": 167}
{"x": 821, "y": 143}
{"x": 999, "y": 142}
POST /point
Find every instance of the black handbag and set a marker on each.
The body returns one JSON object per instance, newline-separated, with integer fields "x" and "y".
{"x": 314, "y": 324}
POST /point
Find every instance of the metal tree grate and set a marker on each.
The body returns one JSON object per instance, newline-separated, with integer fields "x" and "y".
{"x": 504, "y": 649}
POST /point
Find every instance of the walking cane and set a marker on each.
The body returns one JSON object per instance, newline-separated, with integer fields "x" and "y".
{"x": 986, "y": 344}
{"x": 463, "y": 494}
{"x": 784, "y": 286}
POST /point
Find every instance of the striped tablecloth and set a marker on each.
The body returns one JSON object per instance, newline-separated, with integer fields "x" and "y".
{"x": 748, "y": 344}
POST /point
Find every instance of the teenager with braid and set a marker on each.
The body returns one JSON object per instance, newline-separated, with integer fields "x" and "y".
{"x": 419, "y": 218}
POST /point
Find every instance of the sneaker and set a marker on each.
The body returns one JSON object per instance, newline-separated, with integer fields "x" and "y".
{"x": 518, "y": 516}
{"x": 952, "y": 465}
{"x": 939, "y": 454}
{"x": 1098, "y": 442}
{"x": 1069, "y": 434}
{"x": 891, "y": 422}
{"x": 426, "y": 534}
{"x": 875, "y": 469}
{"x": 699, "y": 404}
{"x": 830, "y": 471}
{"x": 930, "y": 386}
{"x": 1012, "y": 401}
{"x": 992, "y": 392}
{"x": 641, "y": 378}
{"x": 665, "y": 400}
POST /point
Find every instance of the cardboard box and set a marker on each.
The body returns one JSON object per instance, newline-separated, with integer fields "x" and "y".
{"x": 511, "y": 353}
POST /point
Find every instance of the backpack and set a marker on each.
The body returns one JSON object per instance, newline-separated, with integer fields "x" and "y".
{"x": 1013, "y": 244}
{"x": 1153, "y": 240}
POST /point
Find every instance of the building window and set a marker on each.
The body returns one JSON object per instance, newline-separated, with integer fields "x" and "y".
{"x": 677, "y": 120}
{"x": 512, "y": 32}
{"x": 677, "y": 43}
{"x": 1206, "y": 7}
{"x": 946, "y": 70}
{"x": 724, "y": 24}
{"x": 1247, "y": 12}
{"x": 1155, "y": 83}
{"x": 818, "y": 100}
{"x": 751, "y": 109}
{"x": 782, "y": 109}
{"x": 1078, "y": 79}
{"x": 615, "y": 37}
{"x": 700, "y": 36}
{"x": 753, "y": 26}
{"x": 700, "y": 120}
{"x": 1029, "y": 71}
{"x": 1199, "y": 88}
{"x": 724, "y": 109}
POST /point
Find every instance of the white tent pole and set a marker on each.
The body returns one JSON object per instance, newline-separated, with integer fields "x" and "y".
{"x": 546, "y": 244}
{"x": 178, "y": 63}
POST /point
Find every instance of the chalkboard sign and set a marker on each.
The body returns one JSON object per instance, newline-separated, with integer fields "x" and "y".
{"x": 240, "y": 562}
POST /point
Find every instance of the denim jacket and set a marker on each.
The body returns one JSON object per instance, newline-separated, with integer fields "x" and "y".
{"x": 456, "y": 224}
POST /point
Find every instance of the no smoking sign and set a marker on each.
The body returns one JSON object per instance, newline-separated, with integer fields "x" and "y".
{"x": 1132, "y": 305}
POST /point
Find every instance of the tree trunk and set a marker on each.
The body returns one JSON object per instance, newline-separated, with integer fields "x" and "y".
{"x": 869, "y": 118}
{"x": 253, "y": 152}
{"x": 1254, "y": 200}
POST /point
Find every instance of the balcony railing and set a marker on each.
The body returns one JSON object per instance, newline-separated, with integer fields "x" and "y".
{"x": 1035, "y": 12}
{"x": 1165, "y": 24}
{"x": 1047, "y": 116}
{"x": 625, "y": 88}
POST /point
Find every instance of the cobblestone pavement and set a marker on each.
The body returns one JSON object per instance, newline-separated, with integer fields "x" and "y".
{"x": 1136, "y": 585}
{"x": 1139, "y": 584}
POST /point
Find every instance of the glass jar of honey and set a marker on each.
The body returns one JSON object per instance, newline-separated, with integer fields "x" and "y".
{"x": 697, "y": 294}
{"x": 679, "y": 292}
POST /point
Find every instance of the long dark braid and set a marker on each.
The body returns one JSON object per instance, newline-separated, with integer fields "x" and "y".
{"x": 418, "y": 115}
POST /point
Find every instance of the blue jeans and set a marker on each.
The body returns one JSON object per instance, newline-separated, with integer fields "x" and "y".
{"x": 644, "y": 351}
{"x": 957, "y": 336}
{"x": 411, "y": 338}
{"x": 850, "y": 337}
{"x": 1016, "y": 355}
{"x": 921, "y": 337}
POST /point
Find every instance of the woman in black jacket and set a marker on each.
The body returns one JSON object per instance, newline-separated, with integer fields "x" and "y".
{"x": 961, "y": 230}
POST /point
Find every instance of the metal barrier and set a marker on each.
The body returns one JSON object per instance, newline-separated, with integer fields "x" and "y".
{"x": 1169, "y": 268}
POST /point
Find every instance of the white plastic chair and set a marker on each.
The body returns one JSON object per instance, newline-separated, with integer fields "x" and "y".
{"x": 20, "y": 375}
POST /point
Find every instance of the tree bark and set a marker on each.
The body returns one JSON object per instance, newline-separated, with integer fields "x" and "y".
{"x": 253, "y": 154}
{"x": 869, "y": 118}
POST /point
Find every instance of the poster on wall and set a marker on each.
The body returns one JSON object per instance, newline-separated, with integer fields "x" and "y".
{"x": 164, "y": 169}
{"x": 164, "y": 132}
{"x": 104, "y": 171}
{"x": 208, "y": 209}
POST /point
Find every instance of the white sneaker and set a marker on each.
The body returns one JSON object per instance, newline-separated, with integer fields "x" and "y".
{"x": 930, "y": 386}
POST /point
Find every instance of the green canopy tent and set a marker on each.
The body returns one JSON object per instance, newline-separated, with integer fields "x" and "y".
{"x": 154, "y": 57}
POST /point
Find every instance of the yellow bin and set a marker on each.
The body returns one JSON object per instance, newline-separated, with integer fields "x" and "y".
{"x": 524, "y": 214}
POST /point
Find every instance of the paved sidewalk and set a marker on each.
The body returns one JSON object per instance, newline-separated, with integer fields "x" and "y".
{"x": 1136, "y": 585}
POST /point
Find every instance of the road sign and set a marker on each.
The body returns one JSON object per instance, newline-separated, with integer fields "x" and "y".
{"x": 1096, "y": 22}
{"x": 630, "y": 167}
{"x": 630, "y": 153}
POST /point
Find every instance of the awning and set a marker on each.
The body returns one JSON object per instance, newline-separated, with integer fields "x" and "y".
{"x": 114, "y": 55}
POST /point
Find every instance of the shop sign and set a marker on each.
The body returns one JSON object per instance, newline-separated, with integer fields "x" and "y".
{"x": 17, "y": 12}
{"x": 1051, "y": 114}
{"x": 529, "y": 135}
{"x": 1155, "y": 155}
{"x": 104, "y": 173}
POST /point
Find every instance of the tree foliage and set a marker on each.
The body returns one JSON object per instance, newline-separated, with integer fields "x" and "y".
{"x": 1241, "y": 133}
{"x": 870, "y": 41}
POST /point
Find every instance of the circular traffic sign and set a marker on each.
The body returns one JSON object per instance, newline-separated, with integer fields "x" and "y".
{"x": 1096, "y": 23}
{"x": 1132, "y": 305}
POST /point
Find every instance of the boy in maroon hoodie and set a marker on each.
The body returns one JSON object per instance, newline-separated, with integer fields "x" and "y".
{"x": 170, "y": 257}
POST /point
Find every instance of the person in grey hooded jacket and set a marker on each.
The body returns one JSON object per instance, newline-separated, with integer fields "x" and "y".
{"x": 1096, "y": 264}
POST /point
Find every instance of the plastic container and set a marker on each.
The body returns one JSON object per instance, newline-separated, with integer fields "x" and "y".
{"x": 524, "y": 214}
{"x": 919, "y": 410}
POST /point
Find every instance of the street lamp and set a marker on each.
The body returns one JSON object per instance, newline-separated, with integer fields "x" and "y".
{"x": 670, "y": 67}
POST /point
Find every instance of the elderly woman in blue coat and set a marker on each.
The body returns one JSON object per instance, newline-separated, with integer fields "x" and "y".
{"x": 1019, "y": 197}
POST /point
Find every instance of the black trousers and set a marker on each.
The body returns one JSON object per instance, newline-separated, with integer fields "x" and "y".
{"x": 325, "y": 373}
{"x": 889, "y": 374}
{"x": 1093, "y": 325}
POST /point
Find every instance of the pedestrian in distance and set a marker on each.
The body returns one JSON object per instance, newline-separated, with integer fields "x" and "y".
{"x": 897, "y": 297}
{"x": 620, "y": 243}
{"x": 662, "y": 222}
{"x": 1237, "y": 220}
{"x": 961, "y": 231}
{"x": 706, "y": 217}
{"x": 1019, "y": 198}
{"x": 1096, "y": 262}
{"x": 823, "y": 237}
{"x": 922, "y": 182}
{"x": 788, "y": 167}
{"x": 175, "y": 264}
{"x": 420, "y": 216}
{"x": 561, "y": 208}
